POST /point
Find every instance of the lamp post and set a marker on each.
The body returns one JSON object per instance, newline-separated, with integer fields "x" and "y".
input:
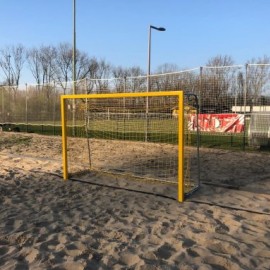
{"x": 161, "y": 29}
{"x": 74, "y": 68}
{"x": 74, "y": 48}
{"x": 149, "y": 52}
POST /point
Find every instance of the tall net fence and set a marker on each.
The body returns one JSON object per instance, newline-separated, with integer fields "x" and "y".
{"x": 228, "y": 96}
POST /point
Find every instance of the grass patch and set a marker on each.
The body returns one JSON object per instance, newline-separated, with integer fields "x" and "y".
{"x": 163, "y": 131}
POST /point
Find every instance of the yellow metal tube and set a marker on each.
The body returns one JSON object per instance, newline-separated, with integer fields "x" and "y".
{"x": 64, "y": 138}
{"x": 181, "y": 147}
{"x": 122, "y": 95}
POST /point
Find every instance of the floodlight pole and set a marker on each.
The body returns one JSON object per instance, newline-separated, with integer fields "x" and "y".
{"x": 74, "y": 68}
{"x": 149, "y": 53}
{"x": 149, "y": 72}
{"x": 74, "y": 48}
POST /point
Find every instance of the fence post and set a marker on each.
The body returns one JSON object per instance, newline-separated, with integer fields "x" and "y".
{"x": 26, "y": 107}
{"x": 245, "y": 105}
{"x": 3, "y": 104}
{"x": 86, "y": 109}
{"x": 125, "y": 85}
{"x": 245, "y": 88}
{"x": 54, "y": 105}
{"x": 200, "y": 89}
{"x": 85, "y": 85}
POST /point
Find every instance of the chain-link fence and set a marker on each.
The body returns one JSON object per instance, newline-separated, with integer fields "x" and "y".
{"x": 228, "y": 96}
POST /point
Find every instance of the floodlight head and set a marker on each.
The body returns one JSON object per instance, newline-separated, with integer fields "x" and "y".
{"x": 158, "y": 28}
{"x": 161, "y": 29}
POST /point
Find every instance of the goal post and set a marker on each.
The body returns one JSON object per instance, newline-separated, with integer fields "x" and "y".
{"x": 147, "y": 142}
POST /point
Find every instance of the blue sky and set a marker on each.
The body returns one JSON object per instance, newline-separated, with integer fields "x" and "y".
{"x": 117, "y": 30}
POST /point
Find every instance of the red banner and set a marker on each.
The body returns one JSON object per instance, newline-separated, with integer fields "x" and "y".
{"x": 231, "y": 123}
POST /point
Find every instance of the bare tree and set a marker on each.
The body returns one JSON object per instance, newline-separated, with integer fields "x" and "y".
{"x": 173, "y": 79}
{"x": 34, "y": 63}
{"x": 137, "y": 81}
{"x": 11, "y": 62}
{"x": 220, "y": 61}
{"x": 63, "y": 65}
{"x": 12, "y": 59}
{"x": 128, "y": 79}
{"x": 218, "y": 81}
{"x": 120, "y": 74}
{"x": 239, "y": 89}
{"x": 258, "y": 78}
{"x": 48, "y": 56}
{"x": 90, "y": 75}
{"x": 85, "y": 67}
{"x": 82, "y": 64}
{"x": 167, "y": 68}
{"x": 102, "y": 74}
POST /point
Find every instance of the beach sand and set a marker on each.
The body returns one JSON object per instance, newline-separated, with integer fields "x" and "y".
{"x": 48, "y": 223}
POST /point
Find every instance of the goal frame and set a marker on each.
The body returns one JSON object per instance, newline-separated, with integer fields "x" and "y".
{"x": 180, "y": 119}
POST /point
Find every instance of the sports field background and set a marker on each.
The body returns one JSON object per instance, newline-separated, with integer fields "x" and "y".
{"x": 235, "y": 89}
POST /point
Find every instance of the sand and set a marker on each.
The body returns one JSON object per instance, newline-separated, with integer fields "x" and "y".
{"x": 47, "y": 223}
